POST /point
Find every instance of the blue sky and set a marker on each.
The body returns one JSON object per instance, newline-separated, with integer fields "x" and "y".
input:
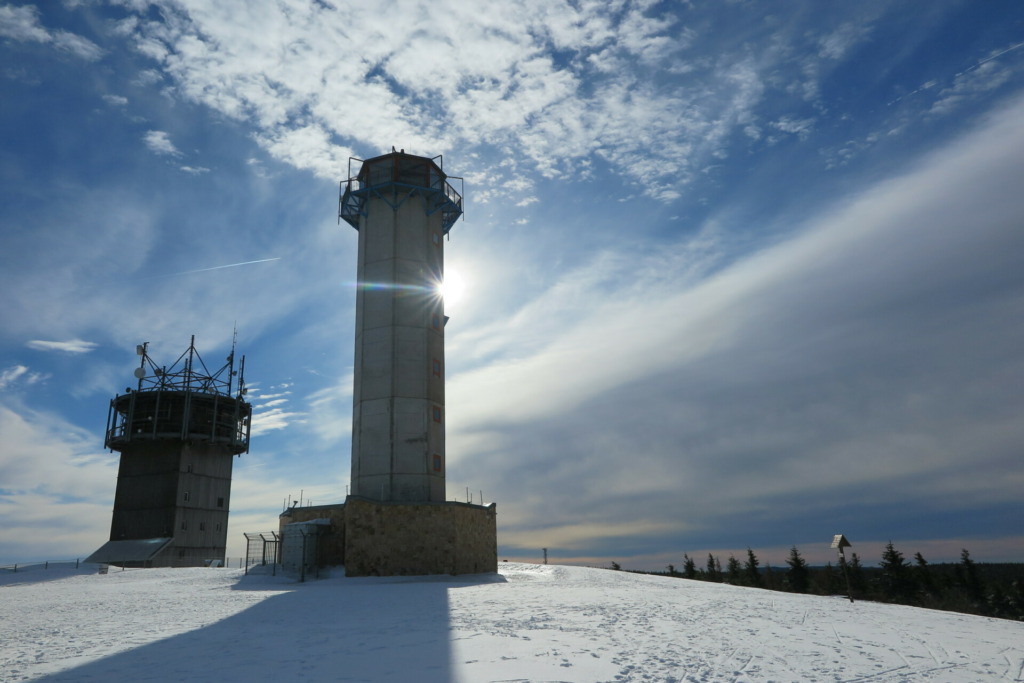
{"x": 735, "y": 273}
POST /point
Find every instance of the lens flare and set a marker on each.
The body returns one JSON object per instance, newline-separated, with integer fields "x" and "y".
{"x": 453, "y": 288}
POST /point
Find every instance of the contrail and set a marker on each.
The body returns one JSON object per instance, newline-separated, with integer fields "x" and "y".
{"x": 998, "y": 54}
{"x": 203, "y": 270}
{"x": 229, "y": 265}
{"x": 216, "y": 267}
{"x": 932, "y": 83}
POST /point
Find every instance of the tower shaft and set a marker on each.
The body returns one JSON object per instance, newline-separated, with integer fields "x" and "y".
{"x": 402, "y": 206}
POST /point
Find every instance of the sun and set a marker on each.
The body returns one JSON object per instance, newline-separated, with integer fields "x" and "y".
{"x": 452, "y": 288}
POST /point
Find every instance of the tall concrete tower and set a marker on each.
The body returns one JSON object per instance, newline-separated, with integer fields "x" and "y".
{"x": 178, "y": 433}
{"x": 396, "y": 520}
{"x": 403, "y": 206}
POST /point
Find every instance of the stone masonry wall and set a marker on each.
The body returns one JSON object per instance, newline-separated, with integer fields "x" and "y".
{"x": 388, "y": 539}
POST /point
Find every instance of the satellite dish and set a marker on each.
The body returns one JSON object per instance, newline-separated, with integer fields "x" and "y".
{"x": 139, "y": 373}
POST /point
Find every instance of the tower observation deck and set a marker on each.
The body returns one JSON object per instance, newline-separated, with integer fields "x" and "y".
{"x": 403, "y": 206}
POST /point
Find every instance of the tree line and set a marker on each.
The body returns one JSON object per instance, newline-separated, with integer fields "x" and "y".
{"x": 993, "y": 590}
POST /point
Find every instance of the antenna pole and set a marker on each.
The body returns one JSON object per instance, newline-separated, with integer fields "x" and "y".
{"x": 142, "y": 361}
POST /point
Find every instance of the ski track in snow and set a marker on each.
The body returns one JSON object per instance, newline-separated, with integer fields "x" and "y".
{"x": 530, "y": 623}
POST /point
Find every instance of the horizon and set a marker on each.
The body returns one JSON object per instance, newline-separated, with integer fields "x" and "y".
{"x": 732, "y": 275}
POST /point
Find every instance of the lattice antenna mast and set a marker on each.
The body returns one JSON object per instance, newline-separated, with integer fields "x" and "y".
{"x": 187, "y": 373}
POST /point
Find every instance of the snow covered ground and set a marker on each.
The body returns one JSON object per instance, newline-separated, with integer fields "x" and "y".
{"x": 529, "y": 623}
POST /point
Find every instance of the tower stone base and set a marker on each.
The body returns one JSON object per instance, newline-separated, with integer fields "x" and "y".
{"x": 374, "y": 538}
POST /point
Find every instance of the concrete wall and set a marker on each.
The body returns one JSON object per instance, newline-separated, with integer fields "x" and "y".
{"x": 174, "y": 489}
{"x": 388, "y": 539}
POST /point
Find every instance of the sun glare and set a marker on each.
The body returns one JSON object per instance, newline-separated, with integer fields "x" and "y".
{"x": 453, "y": 287}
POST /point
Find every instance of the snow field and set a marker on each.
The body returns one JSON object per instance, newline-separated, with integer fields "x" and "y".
{"x": 529, "y": 623}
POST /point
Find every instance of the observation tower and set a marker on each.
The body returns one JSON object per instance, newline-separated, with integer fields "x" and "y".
{"x": 403, "y": 206}
{"x": 178, "y": 432}
{"x": 396, "y": 519}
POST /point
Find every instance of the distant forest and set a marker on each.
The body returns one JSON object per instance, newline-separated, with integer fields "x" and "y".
{"x": 991, "y": 590}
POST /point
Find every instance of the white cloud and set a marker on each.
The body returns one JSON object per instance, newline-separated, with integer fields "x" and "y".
{"x": 159, "y": 142}
{"x": 308, "y": 147}
{"x": 842, "y": 359}
{"x": 22, "y": 24}
{"x": 70, "y": 346}
{"x": 264, "y": 421}
{"x": 56, "y": 477}
{"x": 836, "y": 44}
{"x": 19, "y": 374}
{"x": 115, "y": 100}
{"x": 800, "y": 127}
{"x": 80, "y": 47}
{"x": 10, "y": 375}
{"x": 195, "y": 170}
{"x": 325, "y": 407}
{"x": 319, "y": 81}
{"x": 968, "y": 85}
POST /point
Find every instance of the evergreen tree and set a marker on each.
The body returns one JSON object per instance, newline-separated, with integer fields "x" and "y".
{"x": 751, "y": 574}
{"x": 616, "y": 566}
{"x": 732, "y": 571}
{"x": 671, "y": 570}
{"x": 923, "y": 576}
{"x": 714, "y": 569}
{"x": 689, "y": 567}
{"x": 828, "y": 582}
{"x": 799, "y": 576}
{"x": 896, "y": 583}
{"x": 970, "y": 578}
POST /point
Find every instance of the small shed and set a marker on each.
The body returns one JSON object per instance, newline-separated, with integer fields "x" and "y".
{"x": 300, "y": 547}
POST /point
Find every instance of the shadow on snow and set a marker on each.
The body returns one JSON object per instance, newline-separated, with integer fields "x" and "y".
{"x": 345, "y": 629}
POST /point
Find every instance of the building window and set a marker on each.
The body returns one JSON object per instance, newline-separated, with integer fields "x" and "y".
{"x": 220, "y": 502}
{"x": 188, "y": 467}
{"x": 437, "y": 368}
{"x": 202, "y": 526}
{"x": 181, "y": 553}
{"x": 437, "y": 413}
{"x": 435, "y": 237}
{"x": 218, "y": 526}
{"x": 184, "y": 525}
{"x": 186, "y": 496}
{"x": 438, "y": 462}
{"x": 435, "y": 321}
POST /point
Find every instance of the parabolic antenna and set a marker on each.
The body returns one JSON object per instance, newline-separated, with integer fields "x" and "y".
{"x": 139, "y": 373}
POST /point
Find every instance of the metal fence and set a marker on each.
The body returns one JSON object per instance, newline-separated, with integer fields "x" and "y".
{"x": 262, "y": 548}
{"x": 32, "y": 565}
